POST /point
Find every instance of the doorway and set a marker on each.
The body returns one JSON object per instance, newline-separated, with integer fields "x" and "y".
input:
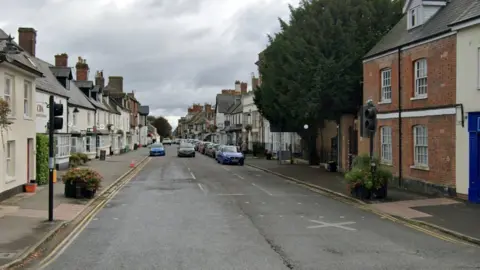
{"x": 30, "y": 159}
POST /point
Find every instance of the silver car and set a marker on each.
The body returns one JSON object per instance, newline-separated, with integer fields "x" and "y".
{"x": 186, "y": 150}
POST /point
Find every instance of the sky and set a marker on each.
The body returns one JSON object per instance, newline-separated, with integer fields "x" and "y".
{"x": 172, "y": 53}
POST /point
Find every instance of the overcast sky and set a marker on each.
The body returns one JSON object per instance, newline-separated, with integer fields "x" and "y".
{"x": 171, "y": 52}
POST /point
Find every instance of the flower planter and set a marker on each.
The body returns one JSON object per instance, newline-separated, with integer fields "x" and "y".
{"x": 361, "y": 192}
{"x": 71, "y": 189}
{"x": 88, "y": 194}
{"x": 380, "y": 193}
{"x": 30, "y": 187}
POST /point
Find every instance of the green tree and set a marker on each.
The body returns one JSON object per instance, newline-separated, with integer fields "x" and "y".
{"x": 311, "y": 69}
{"x": 164, "y": 128}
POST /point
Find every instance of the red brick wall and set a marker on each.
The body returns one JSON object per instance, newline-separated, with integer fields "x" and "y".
{"x": 441, "y": 65}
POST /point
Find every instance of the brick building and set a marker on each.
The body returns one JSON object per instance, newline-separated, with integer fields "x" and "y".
{"x": 411, "y": 76}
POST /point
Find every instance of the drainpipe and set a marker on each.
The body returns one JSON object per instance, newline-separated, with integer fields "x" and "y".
{"x": 68, "y": 114}
{"x": 400, "y": 154}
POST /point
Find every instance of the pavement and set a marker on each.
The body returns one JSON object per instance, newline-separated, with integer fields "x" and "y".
{"x": 454, "y": 216}
{"x": 192, "y": 213}
{"x": 24, "y": 217}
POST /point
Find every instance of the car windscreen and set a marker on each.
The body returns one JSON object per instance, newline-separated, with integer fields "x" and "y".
{"x": 157, "y": 145}
{"x": 230, "y": 149}
{"x": 186, "y": 145}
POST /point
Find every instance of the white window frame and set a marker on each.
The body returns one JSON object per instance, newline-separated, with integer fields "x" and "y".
{"x": 9, "y": 93}
{"x": 89, "y": 119}
{"x": 10, "y": 159}
{"x": 421, "y": 78}
{"x": 90, "y": 144}
{"x": 62, "y": 146}
{"x": 386, "y": 85}
{"x": 386, "y": 144}
{"x": 415, "y": 17}
{"x": 420, "y": 146}
{"x": 27, "y": 98}
{"x": 478, "y": 68}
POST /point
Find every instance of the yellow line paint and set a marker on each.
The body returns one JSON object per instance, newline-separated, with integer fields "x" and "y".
{"x": 59, "y": 249}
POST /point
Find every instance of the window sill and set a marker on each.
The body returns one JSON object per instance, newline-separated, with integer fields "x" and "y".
{"x": 419, "y": 98}
{"x": 420, "y": 167}
{"x": 10, "y": 179}
{"x": 28, "y": 118}
{"x": 385, "y": 102}
{"x": 386, "y": 163}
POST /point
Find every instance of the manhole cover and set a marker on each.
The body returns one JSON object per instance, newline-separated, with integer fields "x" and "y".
{"x": 5, "y": 255}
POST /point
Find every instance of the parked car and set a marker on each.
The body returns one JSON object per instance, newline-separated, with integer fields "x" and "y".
{"x": 230, "y": 155}
{"x": 167, "y": 141}
{"x": 211, "y": 150}
{"x": 186, "y": 150}
{"x": 218, "y": 150}
{"x": 157, "y": 149}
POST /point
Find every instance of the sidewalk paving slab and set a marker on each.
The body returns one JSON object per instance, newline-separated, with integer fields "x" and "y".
{"x": 450, "y": 215}
{"x": 23, "y": 217}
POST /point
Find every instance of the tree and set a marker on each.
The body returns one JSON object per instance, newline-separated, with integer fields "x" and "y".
{"x": 151, "y": 118}
{"x": 312, "y": 68}
{"x": 164, "y": 128}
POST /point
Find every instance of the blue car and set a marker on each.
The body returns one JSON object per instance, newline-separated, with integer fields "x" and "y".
{"x": 230, "y": 155}
{"x": 157, "y": 149}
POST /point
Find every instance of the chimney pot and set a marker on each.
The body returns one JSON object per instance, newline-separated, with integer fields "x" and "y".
{"x": 61, "y": 60}
{"x": 27, "y": 39}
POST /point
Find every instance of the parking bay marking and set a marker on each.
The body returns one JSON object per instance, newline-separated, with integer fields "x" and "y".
{"x": 340, "y": 225}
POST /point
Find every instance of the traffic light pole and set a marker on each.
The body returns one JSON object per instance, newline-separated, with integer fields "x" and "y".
{"x": 372, "y": 160}
{"x": 51, "y": 153}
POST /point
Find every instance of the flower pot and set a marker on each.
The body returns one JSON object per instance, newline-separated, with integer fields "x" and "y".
{"x": 30, "y": 187}
{"x": 361, "y": 192}
{"x": 70, "y": 189}
{"x": 381, "y": 193}
{"x": 88, "y": 194}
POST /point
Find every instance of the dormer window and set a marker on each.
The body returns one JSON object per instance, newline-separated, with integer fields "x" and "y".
{"x": 414, "y": 17}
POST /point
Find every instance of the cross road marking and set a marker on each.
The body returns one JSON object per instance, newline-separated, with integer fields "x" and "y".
{"x": 339, "y": 225}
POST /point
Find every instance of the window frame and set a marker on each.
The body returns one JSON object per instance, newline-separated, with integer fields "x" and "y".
{"x": 420, "y": 80}
{"x": 384, "y": 87}
{"x": 11, "y": 95}
{"x": 62, "y": 146}
{"x": 27, "y": 89}
{"x": 90, "y": 144}
{"x": 419, "y": 143}
{"x": 386, "y": 148}
{"x": 10, "y": 159}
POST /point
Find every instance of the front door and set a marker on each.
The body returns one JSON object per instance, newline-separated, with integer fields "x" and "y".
{"x": 30, "y": 160}
{"x": 474, "y": 157}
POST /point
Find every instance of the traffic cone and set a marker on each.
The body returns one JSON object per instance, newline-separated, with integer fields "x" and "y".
{"x": 132, "y": 164}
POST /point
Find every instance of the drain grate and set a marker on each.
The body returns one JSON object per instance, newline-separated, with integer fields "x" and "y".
{"x": 6, "y": 255}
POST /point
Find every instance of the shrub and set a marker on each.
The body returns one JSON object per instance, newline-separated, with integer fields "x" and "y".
{"x": 361, "y": 173}
{"x": 75, "y": 160}
{"x": 90, "y": 179}
{"x": 83, "y": 157}
{"x": 42, "y": 159}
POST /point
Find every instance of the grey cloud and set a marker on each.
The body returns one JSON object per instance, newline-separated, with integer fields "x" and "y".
{"x": 173, "y": 53}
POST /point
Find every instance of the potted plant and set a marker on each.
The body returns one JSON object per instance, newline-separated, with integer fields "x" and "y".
{"x": 81, "y": 183}
{"x": 31, "y": 186}
{"x": 364, "y": 184}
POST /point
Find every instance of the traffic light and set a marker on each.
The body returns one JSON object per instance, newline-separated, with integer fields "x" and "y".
{"x": 370, "y": 118}
{"x": 56, "y": 113}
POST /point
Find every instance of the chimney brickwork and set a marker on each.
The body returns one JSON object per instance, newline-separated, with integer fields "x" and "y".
{"x": 27, "y": 39}
{"x": 82, "y": 69}
{"x": 61, "y": 60}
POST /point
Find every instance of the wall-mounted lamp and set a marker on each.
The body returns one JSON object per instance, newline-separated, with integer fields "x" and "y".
{"x": 76, "y": 110}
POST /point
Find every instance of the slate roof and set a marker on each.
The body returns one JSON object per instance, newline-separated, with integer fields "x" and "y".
{"x": 224, "y": 102}
{"x": 49, "y": 83}
{"x": 21, "y": 58}
{"x": 95, "y": 103}
{"x": 65, "y": 72}
{"x": 84, "y": 84}
{"x": 78, "y": 98}
{"x": 111, "y": 107}
{"x": 438, "y": 24}
{"x": 117, "y": 103}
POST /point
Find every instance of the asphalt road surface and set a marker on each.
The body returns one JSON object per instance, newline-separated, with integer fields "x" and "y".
{"x": 192, "y": 213}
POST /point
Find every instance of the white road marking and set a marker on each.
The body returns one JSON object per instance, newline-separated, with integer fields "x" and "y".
{"x": 201, "y": 187}
{"x": 299, "y": 203}
{"x": 258, "y": 175}
{"x": 188, "y": 169}
{"x": 339, "y": 225}
{"x": 281, "y": 216}
{"x": 115, "y": 218}
{"x": 95, "y": 219}
{"x": 226, "y": 169}
{"x": 342, "y": 217}
{"x": 263, "y": 202}
{"x": 193, "y": 176}
{"x": 247, "y": 202}
{"x": 239, "y": 176}
{"x": 262, "y": 189}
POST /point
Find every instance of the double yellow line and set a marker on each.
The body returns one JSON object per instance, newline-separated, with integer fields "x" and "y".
{"x": 109, "y": 195}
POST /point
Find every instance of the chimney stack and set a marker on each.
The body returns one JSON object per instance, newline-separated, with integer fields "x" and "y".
{"x": 255, "y": 83}
{"x": 116, "y": 82}
{"x": 82, "y": 69}
{"x": 99, "y": 79}
{"x": 27, "y": 39}
{"x": 243, "y": 87}
{"x": 61, "y": 60}
{"x": 237, "y": 86}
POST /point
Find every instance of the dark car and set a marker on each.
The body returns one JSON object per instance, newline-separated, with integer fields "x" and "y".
{"x": 186, "y": 150}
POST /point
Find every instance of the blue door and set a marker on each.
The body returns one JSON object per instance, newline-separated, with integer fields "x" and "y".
{"x": 474, "y": 157}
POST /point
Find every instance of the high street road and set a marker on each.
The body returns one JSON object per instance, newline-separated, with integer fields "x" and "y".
{"x": 192, "y": 213}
